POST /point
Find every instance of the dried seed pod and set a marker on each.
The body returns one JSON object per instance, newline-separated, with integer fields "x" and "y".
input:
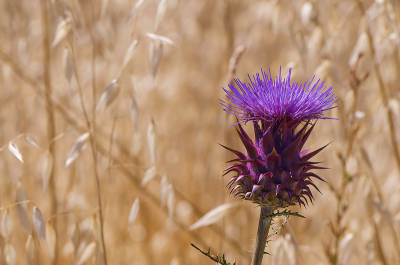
{"x": 152, "y": 141}
{"x": 13, "y": 148}
{"x": 39, "y": 224}
{"x": 78, "y": 148}
{"x": 134, "y": 212}
{"x": 109, "y": 94}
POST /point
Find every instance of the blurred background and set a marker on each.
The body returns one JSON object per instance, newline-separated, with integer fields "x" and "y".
{"x": 117, "y": 102}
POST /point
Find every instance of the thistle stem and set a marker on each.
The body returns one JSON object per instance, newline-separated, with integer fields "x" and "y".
{"x": 262, "y": 234}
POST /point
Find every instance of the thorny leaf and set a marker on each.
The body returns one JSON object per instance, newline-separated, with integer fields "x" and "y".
{"x": 155, "y": 55}
{"x": 213, "y": 216}
{"x": 78, "y": 148}
{"x": 30, "y": 140}
{"x": 109, "y": 94}
{"x": 87, "y": 253}
{"x": 68, "y": 68}
{"x": 39, "y": 224}
{"x": 47, "y": 168}
{"x": 51, "y": 238}
{"x": 162, "y": 7}
{"x": 216, "y": 258}
{"x": 62, "y": 31}
{"x": 134, "y": 212}
{"x": 152, "y": 141}
{"x": 13, "y": 148}
{"x": 284, "y": 213}
{"x": 30, "y": 249}
{"x": 149, "y": 175}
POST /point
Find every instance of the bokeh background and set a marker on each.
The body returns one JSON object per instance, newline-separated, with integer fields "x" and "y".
{"x": 153, "y": 139}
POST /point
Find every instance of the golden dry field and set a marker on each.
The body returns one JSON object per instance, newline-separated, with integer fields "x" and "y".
{"x": 110, "y": 122}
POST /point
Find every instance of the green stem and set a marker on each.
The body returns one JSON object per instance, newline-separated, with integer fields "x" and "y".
{"x": 262, "y": 234}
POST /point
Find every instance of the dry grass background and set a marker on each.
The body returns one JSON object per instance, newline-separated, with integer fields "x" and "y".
{"x": 355, "y": 221}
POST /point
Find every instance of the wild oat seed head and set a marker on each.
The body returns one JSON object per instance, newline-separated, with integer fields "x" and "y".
{"x": 275, "y": 171}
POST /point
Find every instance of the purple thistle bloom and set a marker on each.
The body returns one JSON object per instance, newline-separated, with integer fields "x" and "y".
{"x": 275, "y": 171}
{"x": 272, "y": 101}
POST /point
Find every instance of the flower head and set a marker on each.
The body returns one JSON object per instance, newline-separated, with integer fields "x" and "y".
{"x": 275, "y": 171}
{"x": 273, "y": 100}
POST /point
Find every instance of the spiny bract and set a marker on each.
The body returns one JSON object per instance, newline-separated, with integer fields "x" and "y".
{"x": 274, "y": 170}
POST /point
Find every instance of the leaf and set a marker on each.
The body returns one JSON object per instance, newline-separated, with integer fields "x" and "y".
{"x": 149, "y": 175}
{"x": 171, "y": 200}
{"x": 134, "y": 111}
{"x": 136, "y": 9}
{"x": 109, "y": 94}
{"x": 13, "y": 148}
{"x": 213, "y": 216}
{"x": 68, "y": 68}
{"x": 62, "y": 31}
{"x": 78, "y": 148}
{"x": 30, "y": 250}
{"x": 152, "y": 141}
{"x": 129, "y": 53}
{"x": 29, "y": 139}
{"x": 134, "y": 212}
{"x": 162, "y": 7}
{"x": 47, "y": 169}
{"x": 39, "y": 225}
{"x": 51, "y": 238}
{"x": 163, "y": 189}
{"x": 155, "y": 55}
{"x": 87, "y": 253}
{"x": 10, "y": 256}
{"x": 160, "y": 38}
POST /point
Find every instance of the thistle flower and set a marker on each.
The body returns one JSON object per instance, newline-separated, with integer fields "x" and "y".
{"x": 275, "y": 171}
